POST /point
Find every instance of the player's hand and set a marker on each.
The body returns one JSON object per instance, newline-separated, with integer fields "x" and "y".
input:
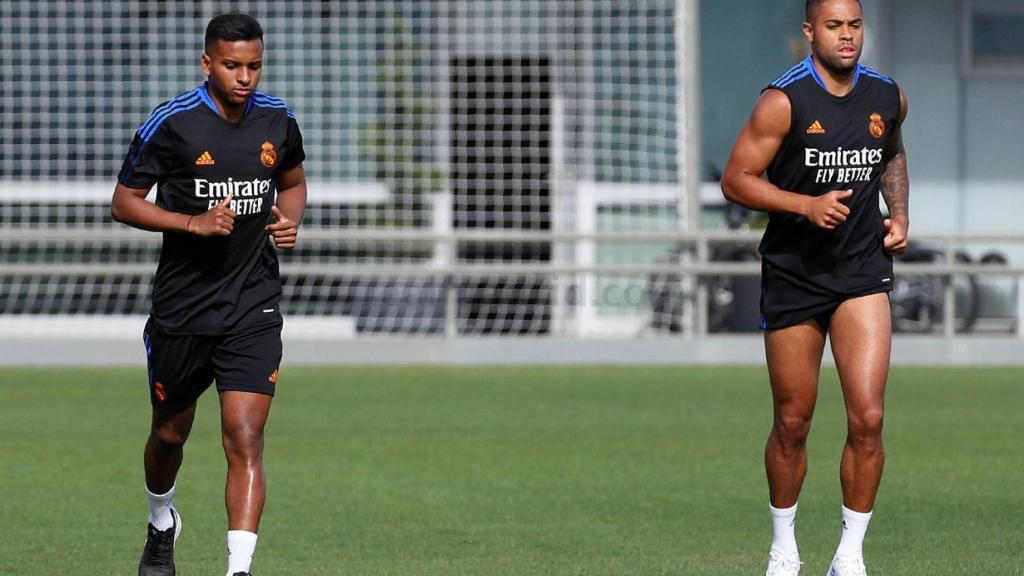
{"x": 283, "y": 230}
{"x": 895, "y": 241}
{"x": 828, "y": 211}
{"x": 217, "y": 221}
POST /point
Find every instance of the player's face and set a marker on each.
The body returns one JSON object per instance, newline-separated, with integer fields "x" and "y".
{"x": 836, "y": 34}
{"x": 234, "y": 69}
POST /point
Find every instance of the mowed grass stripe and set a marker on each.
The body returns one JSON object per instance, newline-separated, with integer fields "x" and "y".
{"x": 513, "y": 471}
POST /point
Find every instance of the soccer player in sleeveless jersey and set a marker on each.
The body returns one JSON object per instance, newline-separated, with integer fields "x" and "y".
{"x": 827, "y": 132}
{"x": 227, "y": 163}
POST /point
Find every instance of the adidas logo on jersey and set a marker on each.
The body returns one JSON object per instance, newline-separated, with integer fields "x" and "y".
{"x": 205, "y": 159}
{"x": 816, "y": 128}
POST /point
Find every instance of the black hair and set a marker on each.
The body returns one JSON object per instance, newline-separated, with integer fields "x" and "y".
{"x": 233, "y": 27}
{"x": 809, "y": 4}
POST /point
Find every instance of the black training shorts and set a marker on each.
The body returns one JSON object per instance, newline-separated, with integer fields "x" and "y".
{"x": 182, "y": 367}
{"x": 787, "y": 299}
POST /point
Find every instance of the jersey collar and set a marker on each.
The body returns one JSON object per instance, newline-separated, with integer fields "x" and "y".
{"x": 205, "y": 95}
{"x": 809, "y": 65}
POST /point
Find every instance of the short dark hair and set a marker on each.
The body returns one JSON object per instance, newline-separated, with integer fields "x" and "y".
{"x": 809, "y": 4}
{"x": 233, "y": 27}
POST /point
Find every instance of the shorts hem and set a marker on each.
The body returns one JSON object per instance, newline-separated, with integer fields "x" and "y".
{"x": 818, "y": 312}
{"x": 231, "y": 388}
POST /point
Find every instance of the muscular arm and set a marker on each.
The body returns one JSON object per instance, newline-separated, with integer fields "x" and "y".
{"x": 758, "y": 142}
{"x": 896, "y": 187}
{"x": 895, "y": 183}
{"x": 291, "y": 196}
{"x": 291, "y": 204}
{"x": 755, "y": 148}
{"x": 129, "y": 206}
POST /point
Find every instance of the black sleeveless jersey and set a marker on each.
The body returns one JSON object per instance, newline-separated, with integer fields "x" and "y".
{"x": 214, "y": 285}
{"x": 834, "y": 143}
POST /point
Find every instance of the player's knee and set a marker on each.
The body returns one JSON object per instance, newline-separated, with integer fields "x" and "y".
{"x": 243, "y": 440}
{"x": 169, "y": 436}
{"x": 866, "y": 426}
{"x": 793, "y": 428}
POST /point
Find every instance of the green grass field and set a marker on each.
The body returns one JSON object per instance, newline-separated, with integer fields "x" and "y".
{"x": 513, "y": 471}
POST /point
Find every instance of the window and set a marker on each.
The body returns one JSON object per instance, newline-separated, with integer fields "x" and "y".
{"x": 993, "y": 34}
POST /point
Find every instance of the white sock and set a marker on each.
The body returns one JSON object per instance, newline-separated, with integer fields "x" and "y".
{"x": 160, "y": 509}
{"x": 855, "y": 524}
{"x": 241, "y": 547}
{"x": 784, "y": 529}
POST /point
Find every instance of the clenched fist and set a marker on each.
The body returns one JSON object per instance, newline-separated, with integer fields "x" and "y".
{"x": 895, "y": 241}
{"x": 828, "y": 211}
{"x": 283, "y": 230}
{"x": 217, "y": 221}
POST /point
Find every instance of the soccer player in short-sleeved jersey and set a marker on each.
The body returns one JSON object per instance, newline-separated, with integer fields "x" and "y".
{"x": 227, "y": 164}
{"x": 828, "y": 134}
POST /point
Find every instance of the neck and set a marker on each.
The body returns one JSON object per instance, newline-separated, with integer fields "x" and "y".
{"x": 228, "y": 111}
{"x": 837, "y": 83}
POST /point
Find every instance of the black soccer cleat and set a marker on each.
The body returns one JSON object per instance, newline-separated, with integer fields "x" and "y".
{"x": 158, "y": 555}
{"x": 242, "y": 574}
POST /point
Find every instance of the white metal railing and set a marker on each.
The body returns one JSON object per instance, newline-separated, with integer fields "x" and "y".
{"x": 448, "y": 269}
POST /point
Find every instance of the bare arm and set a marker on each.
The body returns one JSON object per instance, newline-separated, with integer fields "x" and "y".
{"x": 896, "y": 187}
{"x": 291, "y": 204}
{"x": 129, "y": 206}
{"x": 755, "y": 148}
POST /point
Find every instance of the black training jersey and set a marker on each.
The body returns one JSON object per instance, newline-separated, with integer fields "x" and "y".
{"x": 196, "y": 158}
{"x": 834, "y": 143}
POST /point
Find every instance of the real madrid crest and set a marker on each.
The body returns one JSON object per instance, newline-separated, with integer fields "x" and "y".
{"x": 877, "y": 126}
{"x": 268, "y": 156}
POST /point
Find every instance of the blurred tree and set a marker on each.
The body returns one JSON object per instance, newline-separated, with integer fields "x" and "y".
{"x": 398, "y": 139}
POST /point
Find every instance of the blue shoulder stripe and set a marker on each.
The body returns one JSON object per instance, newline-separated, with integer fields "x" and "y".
{"x": 187, "y": 96}
{"x": 800, "y": 76}
{"x": 151, "y": 125}
{"x": 148, "y": 133}
{"x": 173, "y": 101}
{"x": 264, "y": 100}
{"x": 265, "y": 104}
{"x": 286, "y": 109}
{"x": 789, "y": 72}
{"x": 265, "y": 96}
{"x": 785, "y": 79}
{"x": 869, "y": 72}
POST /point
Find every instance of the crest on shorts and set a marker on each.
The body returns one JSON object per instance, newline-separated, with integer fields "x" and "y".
{"x": 158, "y": 389}
{"x": 273, "y": 377}
{"x": 268, "y": 156}
{"x": 877, "y": 126}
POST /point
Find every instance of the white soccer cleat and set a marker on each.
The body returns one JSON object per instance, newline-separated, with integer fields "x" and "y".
{"x": 783, "y": 564}
{"x": 848, "y": 566}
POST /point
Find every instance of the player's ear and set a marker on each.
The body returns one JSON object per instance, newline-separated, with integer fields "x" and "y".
{"x": 808, "y": 31}
{"x": 204, "y": 61}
